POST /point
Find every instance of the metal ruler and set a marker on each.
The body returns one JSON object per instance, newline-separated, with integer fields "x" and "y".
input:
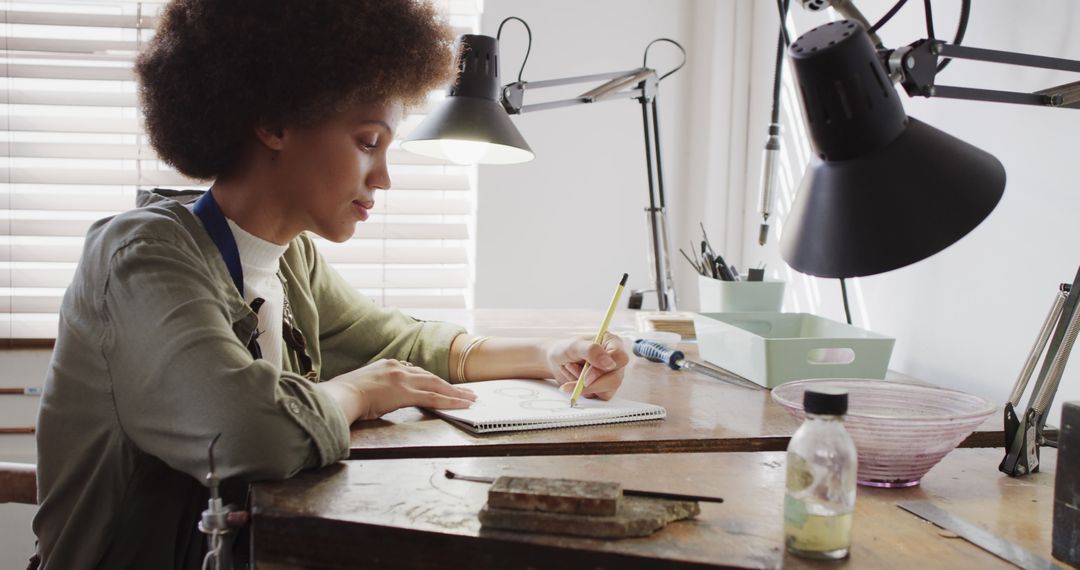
{"x": 984, "y": 539}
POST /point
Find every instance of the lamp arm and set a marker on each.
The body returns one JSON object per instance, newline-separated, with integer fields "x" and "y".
{"x": 1061, "y": 345}
{"x": 915, "y": 67}
{"x": 645, "y": 84}
{"x": 512, "y": 95}
{"x": 1024, "y": 433}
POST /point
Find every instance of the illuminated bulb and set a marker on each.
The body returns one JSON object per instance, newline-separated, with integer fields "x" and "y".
{"x": 464, "y": 152}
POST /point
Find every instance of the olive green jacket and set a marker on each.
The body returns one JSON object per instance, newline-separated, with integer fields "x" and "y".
{"x": 151, "y": 363}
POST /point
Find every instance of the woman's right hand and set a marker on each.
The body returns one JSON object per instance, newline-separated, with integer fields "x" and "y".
{"x": 386, "y": 385}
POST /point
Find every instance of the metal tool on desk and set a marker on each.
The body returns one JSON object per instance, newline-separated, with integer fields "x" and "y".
{"x": 717, "y": 267}
{"x": 977, "y": 535}
{"x": 1024, "y": 434}
{"x": 219, "y": 521}
{"x": 676, "y": 360}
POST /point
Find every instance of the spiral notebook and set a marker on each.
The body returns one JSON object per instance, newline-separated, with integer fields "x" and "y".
{"x": 516, "y": 405}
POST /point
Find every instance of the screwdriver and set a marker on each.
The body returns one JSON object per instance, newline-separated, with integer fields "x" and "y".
{"x": 676, "y": 360}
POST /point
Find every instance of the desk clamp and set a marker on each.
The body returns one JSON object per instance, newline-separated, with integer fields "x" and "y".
{"x": 1024, "y": 434}
{"x": 217, "y": 522}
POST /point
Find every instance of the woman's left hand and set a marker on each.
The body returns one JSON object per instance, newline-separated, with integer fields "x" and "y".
{"x": 607, "y": 361}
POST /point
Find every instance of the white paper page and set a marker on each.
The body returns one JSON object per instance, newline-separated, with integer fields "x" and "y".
{"x": 537, "y": 401}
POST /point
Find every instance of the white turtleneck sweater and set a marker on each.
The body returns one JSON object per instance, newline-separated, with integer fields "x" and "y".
{"x": 259, "y": 259}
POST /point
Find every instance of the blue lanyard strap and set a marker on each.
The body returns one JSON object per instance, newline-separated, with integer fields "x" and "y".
{"x": 207, "y": 209}
{"x": 213, "y": 219}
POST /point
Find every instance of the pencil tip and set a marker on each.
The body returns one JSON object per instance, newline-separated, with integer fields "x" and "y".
{"x": 625, "y": 276}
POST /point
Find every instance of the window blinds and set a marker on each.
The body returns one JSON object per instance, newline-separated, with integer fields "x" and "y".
{"x": 72, "y": 151}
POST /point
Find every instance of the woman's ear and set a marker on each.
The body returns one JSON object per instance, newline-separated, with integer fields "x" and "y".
{"x": 271, "y": 137}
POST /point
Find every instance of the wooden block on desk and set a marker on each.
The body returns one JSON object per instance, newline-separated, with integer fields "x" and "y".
{"x": 635, "y": 517}
{"x": 567, "y": 496}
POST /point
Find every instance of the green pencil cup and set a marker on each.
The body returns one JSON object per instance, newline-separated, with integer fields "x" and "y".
{"x": 717, "y": 296}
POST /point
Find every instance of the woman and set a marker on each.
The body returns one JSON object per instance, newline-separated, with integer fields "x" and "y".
{"x": 197, "y": 315}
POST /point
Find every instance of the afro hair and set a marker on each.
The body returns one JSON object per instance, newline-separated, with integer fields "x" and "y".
{"x": 217, "y": 69}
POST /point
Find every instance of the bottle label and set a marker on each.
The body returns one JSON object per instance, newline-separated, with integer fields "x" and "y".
{"x": 799, "y": 475}
{"x": 807, "y": 531}
{"x": 795, "y": 514}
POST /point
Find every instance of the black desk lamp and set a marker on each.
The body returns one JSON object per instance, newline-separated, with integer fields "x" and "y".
{"x": 470, "y": 126}
{"x": 887, "y": 190}
{"x": 473, "y": 126}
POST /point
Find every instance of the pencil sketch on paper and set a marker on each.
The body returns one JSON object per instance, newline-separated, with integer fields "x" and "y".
{"x": 525, "y": 398}
{"x": 546, "y": 405}
{"x": 517, "y": 392}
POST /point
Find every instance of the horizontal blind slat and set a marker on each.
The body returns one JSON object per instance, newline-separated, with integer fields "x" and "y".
{"x": 29, "y": 325}
{"x": 59, "y": 275}
{"x": 81, "y": 19}
{"x": 407, "y": 302}
{"x": 133, "y": 151}
{"x": 92, "y": 73}
{"x": 77, "y": 224}
{"x": 73, "y": 150}
{"x": 123, "y": 200}
{"x": 97, "y": 177}
{"x": 391, "y": 277}
{"x": 67, "y": 98}
{"x": 38, "y": 310}
{"x": 374, "y": 251}
{"x": 151, "y": 177}
{"x": 369, "y": 251}
{"x": 105, "y": 125}
{"x": 53, "y": 45}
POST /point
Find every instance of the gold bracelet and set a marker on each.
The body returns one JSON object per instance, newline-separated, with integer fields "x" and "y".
{"x": 465, "y": 354}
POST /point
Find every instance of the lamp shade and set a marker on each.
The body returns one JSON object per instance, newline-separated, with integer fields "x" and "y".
{"x": 470, "y": 126}
{"x": 884, "y": 190}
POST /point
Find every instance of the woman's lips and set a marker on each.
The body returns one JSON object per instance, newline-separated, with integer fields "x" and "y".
{"x": 362, "y": 208}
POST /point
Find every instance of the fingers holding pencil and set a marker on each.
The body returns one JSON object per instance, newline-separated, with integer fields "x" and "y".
{"x": 600, "y": 334}
{"x": 606, "y": 361}
{"x": 600, "y": 384}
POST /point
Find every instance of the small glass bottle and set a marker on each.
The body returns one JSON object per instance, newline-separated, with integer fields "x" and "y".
{"x": 821, "y": 465}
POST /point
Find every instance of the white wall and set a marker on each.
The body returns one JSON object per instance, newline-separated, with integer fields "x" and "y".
{"x": 967, "y": 317}
{"x": 559, "y": 231}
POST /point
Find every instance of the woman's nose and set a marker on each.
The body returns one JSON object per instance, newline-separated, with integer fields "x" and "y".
{"x": 379, "y": 176}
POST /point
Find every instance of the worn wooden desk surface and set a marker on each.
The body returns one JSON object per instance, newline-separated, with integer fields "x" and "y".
{"x": 404, "y": 513}
{"x": 704, "y": 414}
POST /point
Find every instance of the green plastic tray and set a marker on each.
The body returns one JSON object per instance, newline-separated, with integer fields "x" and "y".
{"x": 773, "y": 348}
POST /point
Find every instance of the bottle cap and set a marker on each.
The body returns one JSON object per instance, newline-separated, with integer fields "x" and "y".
{"x": 825, "y": 401}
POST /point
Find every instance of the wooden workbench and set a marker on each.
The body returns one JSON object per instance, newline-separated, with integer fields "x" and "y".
{"x": 704, "y": 414}
{"x": 404, "y": 513}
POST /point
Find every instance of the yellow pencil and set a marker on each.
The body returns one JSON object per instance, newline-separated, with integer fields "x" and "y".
{"x": 599, "y": 339}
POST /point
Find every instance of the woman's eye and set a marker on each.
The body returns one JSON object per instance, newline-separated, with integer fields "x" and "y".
{"x": 367, "y": 144}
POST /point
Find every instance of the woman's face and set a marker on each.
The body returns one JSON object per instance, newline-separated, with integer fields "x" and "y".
{"x": 333, "y": 168}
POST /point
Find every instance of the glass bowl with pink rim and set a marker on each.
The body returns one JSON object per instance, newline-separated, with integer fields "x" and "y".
{"x": 900, "y": 429}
